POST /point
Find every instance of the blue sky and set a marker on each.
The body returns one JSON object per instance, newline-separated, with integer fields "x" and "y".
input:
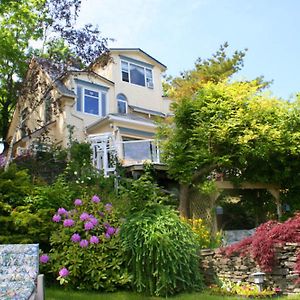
{"x": 178, "y": 32}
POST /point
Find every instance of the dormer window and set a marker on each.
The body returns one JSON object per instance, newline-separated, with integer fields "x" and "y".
{"x": 136, "y": 73}
{"x": 122, "y": 104}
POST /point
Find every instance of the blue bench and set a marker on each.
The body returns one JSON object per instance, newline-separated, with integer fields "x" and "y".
{"x": 19, "y": 273}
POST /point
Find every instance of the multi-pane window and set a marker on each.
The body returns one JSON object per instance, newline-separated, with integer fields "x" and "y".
{"x": 122, "y": 104}
{"x": 91, "y": 101}
{"x": 136, "y": 74}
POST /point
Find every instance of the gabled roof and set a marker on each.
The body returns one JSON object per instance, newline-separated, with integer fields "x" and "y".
{"x": 56, "y": 73}
{"x": 141, "y": 51}
{"x": 93, "y": 74}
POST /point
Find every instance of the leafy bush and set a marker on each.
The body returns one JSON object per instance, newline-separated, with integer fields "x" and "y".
{"x": 86, "y": 250}
{"x": 204, "y": 238}
{"x": 80, "y": 152}
{"x": 43, "y": 166}
{"x": 261, "y": 245}
{"x": 15, "y": 185}
{"x": 143, "y": 192}
{"x": 52, "y": 196}
{"x": 161, "y": 252}
{"x": 244, "y": 289}
{"x": 22, "y": 225}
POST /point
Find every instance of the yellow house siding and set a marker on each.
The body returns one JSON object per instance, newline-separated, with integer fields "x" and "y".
{"x": 136, "y": 95}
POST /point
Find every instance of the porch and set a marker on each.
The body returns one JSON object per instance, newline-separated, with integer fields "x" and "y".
{"x": 131, "y": 154}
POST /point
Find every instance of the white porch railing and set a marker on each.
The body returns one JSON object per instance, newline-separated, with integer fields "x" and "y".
{"x": 106, "y": 150}
{"x": 139, "y": 151}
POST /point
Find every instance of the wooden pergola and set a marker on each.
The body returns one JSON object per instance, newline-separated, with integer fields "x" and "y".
{"x": 273, "y": 189}
{"x": 228, "y": 185}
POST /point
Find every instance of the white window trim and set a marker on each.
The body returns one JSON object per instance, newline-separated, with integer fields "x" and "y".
{"x": 100, "y": 92}
{"x": 145, "y": 74}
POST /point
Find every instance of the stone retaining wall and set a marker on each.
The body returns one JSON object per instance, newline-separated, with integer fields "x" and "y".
{"x": 215, "y": 265}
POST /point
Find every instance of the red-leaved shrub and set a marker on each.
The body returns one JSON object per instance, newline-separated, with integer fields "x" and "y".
{"x": 261, "y": 245}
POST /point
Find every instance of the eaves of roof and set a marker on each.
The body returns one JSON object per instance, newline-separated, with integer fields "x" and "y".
{"x": 142, "y": 51}
{"x": 147, "y": 111}
{"x": 93, "y": 74}
{"x": 126, "y": 118}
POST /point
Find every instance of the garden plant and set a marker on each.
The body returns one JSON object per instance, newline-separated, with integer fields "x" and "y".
{"x": 261, "y": 245}
{"x": 160, "y": 249}
{"x": 86, "y": 248}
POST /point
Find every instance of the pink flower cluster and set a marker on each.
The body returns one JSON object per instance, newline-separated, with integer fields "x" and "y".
{"x": 64, "y": 272}
{"x": 83, "y": 225}
{"x": 44, "y": 258}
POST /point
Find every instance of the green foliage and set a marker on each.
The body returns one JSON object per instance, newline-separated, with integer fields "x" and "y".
{"x": 204, "y": 238}
{"x": 15, "y": 185}
{"x": 244, "y": 289}
{"x": 207, "y": 187}
{"x": 51, "y": 196}
{"x": 80, "y": 152}
{"x": 143, "y": 192}
{"x": 44, "y": 166}
{"x": 237, "y": 130}
{"x": 161, "y": 252}
{"x": 219, "y": 67}
{"x": 250, "y": 209}
{"x": 99, "y": 265}
{"x": 22, "y": 225}
{"x": 18, "y": 25}
{"x": 79, "y": 168}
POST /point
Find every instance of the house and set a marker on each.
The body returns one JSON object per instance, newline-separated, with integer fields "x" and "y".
{"x": 113, "y": 106}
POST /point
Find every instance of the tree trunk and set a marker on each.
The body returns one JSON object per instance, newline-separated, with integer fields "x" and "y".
{"x": 184, "y": 202}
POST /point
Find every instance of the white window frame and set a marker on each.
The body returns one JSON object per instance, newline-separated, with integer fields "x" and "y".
{"x": 100, "y": 92}
{"x": 148, "y": 83}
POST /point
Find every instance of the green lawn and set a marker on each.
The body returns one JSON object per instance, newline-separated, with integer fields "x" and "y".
{"x": 60, "y": 294}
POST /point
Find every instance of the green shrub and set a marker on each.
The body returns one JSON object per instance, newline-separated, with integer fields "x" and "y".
{"x": 43, "y": 166}
{"x": 15, "y": 185}
{"x": 143, "y": 192}
{"x": 86, "y": 249}
{"x": 20, "y": 225}
{"x": 80, "y": 152}
{"x": 53, "y": 196}
{"x": 161, "y": 252}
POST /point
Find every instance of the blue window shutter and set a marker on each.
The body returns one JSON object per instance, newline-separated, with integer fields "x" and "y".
{"x": 79, "y": 99}
{"x": 103, "y": 104}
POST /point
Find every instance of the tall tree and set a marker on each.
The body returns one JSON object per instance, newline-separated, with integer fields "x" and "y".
{"x": 52, "y": 23}
{"x": 231, "y": 128}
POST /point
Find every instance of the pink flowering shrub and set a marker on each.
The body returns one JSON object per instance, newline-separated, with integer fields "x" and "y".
{"x": 261, "y": 245}
{"x": 86, "y": 249}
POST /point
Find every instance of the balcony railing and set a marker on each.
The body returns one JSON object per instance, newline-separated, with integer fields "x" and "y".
{"x": 136, "y": 152}
{"x": 139, "y": 151}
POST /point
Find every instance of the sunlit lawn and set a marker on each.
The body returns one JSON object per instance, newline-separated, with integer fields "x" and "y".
{"x": 60, "y": 294}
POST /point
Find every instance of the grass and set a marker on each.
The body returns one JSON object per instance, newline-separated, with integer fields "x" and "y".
{"x": 61, "y": 294}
